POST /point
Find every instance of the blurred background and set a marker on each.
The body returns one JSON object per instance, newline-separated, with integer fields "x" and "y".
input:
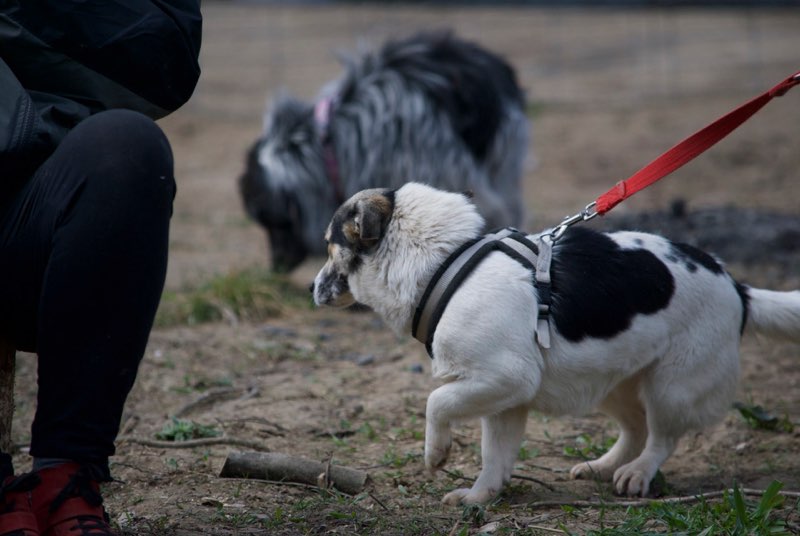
{"x": 609, "y": 88}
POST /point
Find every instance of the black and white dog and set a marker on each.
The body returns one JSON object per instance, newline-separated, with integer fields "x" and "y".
{"x": 430, "y": 108}
{"x": 642, "y": 328}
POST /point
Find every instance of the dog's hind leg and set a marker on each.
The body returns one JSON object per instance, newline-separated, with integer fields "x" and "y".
{"x": 634, "y": 478}
{"x": 500, "y": 441}
{"x": 682, "y": 392}
{"x": 665, "y": 410}
{"x": 624, "y": 406}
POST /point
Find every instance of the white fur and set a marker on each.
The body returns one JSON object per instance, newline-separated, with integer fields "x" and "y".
{"x": 669, "y": 372}
{"x": 417, "y": 249}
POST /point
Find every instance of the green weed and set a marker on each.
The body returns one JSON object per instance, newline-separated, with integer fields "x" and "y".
{"x": 760, "y": 419}
{"x": 183, "y": 430}
{"x": 395, "y": 459}
{"x": 526, "y": 453}
{"x": 586, "y": 448}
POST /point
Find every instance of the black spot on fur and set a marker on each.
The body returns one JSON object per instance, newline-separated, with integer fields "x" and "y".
{"x": 598, "y": 287}
{"x": 337, "y": 230}
{"x": 744, "y": 295}
{"x": 693, "y": 256}
{"x": 342, "y": 217}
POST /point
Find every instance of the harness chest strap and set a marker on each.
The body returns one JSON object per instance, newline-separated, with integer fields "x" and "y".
{"x": 460, "y": 264}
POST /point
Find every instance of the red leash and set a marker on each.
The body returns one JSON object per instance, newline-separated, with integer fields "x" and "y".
{"x": 679, "y": 155}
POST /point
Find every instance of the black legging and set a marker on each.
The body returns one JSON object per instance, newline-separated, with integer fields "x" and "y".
{"x": 83, "y": 257}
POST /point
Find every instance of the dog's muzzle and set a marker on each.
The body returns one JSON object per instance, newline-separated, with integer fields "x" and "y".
{"x": 331, "y": 289}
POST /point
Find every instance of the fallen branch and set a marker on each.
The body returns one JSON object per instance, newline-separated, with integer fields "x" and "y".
{"x": 210, "y": 397}
{"x": 453, "y": 474}
{"x": 531, "y": 479}
{"x": 283, "y": 467}
{"x": 647, "y": 502}
{"x": 192, "y": 443}
{"x": 7, "y": 368}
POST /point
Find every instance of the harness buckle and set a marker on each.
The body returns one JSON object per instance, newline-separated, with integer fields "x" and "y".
{"x": 543, "y": 286}
{"x": 586, "y": 214}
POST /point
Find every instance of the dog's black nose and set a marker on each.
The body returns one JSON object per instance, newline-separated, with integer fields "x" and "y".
{"x": 311, "y": 288}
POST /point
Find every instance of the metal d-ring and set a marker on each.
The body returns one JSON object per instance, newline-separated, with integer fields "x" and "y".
{"x": 586, "y": 214}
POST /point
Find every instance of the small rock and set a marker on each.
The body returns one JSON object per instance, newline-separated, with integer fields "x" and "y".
{"x": 124, "y": 519}
{"x": 417, "y": 368}
{"x": 277, "y": 331}
{"x": 365, "y": 360}
{"x": 489, "y": 528}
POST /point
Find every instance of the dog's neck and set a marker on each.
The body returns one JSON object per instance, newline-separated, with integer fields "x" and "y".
{"x": 418, "y": 239}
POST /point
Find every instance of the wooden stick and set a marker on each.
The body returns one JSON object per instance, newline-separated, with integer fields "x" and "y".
{"x": 7, "y": 370}
{"x": 192, "y": 443}
{"x": 283, "y": 467}
{"x": 211, "y": 396}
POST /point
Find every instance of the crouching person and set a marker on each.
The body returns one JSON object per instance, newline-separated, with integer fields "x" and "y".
{"x": 86, "y": 191}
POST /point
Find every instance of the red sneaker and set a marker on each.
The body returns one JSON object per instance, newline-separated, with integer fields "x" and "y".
{"x": 16, "y": 510}
{"x": 67, "y": 502}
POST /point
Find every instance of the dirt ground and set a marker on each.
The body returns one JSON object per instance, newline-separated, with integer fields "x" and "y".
{"x": 609, "y": 91}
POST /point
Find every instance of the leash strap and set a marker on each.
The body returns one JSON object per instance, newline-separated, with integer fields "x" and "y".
{"x": 690, "y": 148}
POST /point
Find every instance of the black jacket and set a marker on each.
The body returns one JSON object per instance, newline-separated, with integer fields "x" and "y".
{"x": 63, "y": 60}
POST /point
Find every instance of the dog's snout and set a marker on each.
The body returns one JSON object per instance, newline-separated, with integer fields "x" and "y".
{"x": 311, "y": 288}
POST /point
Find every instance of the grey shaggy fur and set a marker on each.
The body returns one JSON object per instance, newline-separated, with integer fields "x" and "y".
{"x": 430, "y": 108}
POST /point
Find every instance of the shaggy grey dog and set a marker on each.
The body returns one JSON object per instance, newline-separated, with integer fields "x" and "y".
{"x": 430, "y": 108}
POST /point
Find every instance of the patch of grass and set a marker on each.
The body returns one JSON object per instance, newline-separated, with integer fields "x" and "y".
{"x": 334, "y": 512}
{"x": 527, "y": 453}
{"x": 183, "y": 430}
{"x": 474, "y": 514}
{"x": 587, "y": 448}
{"x": 201, "y": 384}
{"x": 237, "y": 519}
{"x": 394, "y": 459}
{"x": 732, "y": 515}
{"x": 368, "y": 431}
{"x": 251, "y": 294}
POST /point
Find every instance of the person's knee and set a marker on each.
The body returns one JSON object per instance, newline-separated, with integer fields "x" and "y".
{"x": 124, "y": 137}
{"x": 127, "y": 154}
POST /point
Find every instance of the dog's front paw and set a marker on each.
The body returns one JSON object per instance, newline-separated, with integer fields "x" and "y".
{"x": 437, "y": 448}
{"x": 591, "y": 470}
{"x": 469, "y": 496}
{"x": 633, "y": 480}
{"x": 436, "y": 456}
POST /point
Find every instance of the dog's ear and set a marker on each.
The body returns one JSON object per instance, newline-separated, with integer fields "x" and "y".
{"x": 369, "y": 219}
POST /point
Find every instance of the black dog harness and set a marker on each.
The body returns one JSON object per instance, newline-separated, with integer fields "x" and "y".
{"x": 533, "y": 256}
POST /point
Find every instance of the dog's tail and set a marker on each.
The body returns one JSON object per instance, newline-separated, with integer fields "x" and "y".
{"x": 773, "y": 313}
